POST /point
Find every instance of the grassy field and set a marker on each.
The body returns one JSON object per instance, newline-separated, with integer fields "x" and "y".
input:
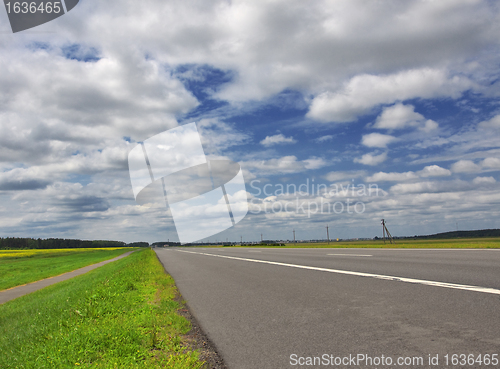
{"x": 19, "y": 267}
{"x": 455, "y": 243}
{"x": 121, "y": 315}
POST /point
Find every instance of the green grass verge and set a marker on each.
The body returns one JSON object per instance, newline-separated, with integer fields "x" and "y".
{"x": 455, "y": 243}
{"x": 16, "y": 271}
{"x": 121, "y": 315}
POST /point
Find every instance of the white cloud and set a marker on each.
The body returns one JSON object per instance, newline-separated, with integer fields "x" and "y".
{"x": 324, "y": 138}
{"x": 218, "y": 136}
{"x": 276, "y": 140}
{"x": 401, "y": 116}
{"x": 493, "y": 123}
{"x": 465, "y": 166}
{"x": 289, "y": 44}
{"x": 392, "y": 177}
{"x": 428, "y": 171}
{"x": 18, "y": 179}
{"x": 108, "y": 94}
{"x": 470, "y": 143}
{"x": 484, "y": 180}
{"x": 342, "y": 175}
{"x": 491, "y": 163}
{"x": 283, "y": 165}
{"x": 430, "y": 187}
{"x": 377, "y": 140}
{"x": 434, "y": 171}
{"x": 314, "y": 163}
{"x": 371, "y": 159}
{"x": 398, "y": 116}
{"x": 429, "y": 126}
{"x": 363, "y": 92}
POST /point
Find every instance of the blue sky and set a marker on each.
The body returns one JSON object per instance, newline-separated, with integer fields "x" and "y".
{"x": 399, "y": 96}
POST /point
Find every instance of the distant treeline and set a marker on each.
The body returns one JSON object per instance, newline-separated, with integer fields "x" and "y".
{"x": 270, "y": 243}
{"x": 162, "y": 244}
{"x": 56, "y": 243}
{"x": 463, "y": 234}
{"x": 138, "y": 244}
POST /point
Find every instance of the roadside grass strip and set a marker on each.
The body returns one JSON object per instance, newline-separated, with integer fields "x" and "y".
{"x": 121, "y": 315}
{"x": 18, "y": 267}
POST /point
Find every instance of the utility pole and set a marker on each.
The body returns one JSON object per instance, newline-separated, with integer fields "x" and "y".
{"x": 294, "y": 236}
{"x": 327, "y": 235}
{"x": 241, "y": 240}
{"x": 385, "y": 230}
{"x": 261, "y": 239}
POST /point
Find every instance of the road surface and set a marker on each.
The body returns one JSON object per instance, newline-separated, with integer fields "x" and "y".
{"x": 280, "y": 308}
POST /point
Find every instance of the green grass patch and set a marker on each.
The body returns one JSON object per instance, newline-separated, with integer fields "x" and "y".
{"x": 19, "y": 267}
{"x": 457, "y": 243}
{"x": 121, "y": 315}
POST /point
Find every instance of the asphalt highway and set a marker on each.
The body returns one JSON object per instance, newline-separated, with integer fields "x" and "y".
{"x": 338, "y": 308}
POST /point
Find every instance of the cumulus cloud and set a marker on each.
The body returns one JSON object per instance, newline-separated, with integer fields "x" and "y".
{"x": 465, "y": 166}
{"x": 430, "y": 187}
{"x": 491, "y": 163}
{"x": 342, "y": 175}
{"x": 493, "y": 123}
{"x": 283, "y": 165}
{"x": 401, "y": 116}
{"x": 287, "y": 44}
{"x": 314, "y": 163}
{"x": 277, "y": 140}
{"x": 428, "y": 171}
{"x": 363, "y": 92}
{"x": 377, "y": 140}
{"x": 434, "y": 171}
{"x": 19, "y": 179}
{"x": 429, "y": 126}
{"x": 398, "y": 116}
{"x": 371, "y": 159}
{"x": 392, "y": 177}
{"x": 108, "y": 94}
{"x": 484, "y": 180}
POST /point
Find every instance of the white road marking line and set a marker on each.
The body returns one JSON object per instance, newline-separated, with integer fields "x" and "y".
{"x": 361, "y": 274}
{"x": 254, "y": 251}
{"x": 348, "y": 255}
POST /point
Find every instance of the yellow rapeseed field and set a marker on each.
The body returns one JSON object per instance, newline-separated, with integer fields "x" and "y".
{"x": 30, "y": 253}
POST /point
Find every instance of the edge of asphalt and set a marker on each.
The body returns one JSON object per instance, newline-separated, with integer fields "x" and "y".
{"x": 196, "y": 338}
{"x": 18, "y": 291}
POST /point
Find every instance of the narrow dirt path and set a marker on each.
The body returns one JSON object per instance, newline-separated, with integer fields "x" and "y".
{"x": 18, "y": 291}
